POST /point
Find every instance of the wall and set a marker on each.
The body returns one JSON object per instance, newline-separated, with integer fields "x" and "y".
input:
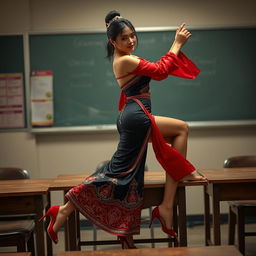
{"x": 48, "y": 155}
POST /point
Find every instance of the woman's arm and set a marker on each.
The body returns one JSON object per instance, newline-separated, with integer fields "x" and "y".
{"x": 181, "y": 37}
{"x": 173, "y": 62}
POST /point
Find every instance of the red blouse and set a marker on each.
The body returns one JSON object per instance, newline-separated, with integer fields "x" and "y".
{"x": 170, "y": 64}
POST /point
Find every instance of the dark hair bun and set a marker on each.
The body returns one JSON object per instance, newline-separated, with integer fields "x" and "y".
{"x": 111, "y": 15}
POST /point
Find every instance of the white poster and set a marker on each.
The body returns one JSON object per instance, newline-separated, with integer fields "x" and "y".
{"x": 42, "y": 98}
{"x": 11, "y": 101}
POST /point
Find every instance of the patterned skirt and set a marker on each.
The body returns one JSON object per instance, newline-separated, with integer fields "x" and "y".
{"x": 111, "y": 198}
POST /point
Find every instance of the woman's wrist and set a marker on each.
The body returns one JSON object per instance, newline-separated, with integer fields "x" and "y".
{"x": 175, "y": 48}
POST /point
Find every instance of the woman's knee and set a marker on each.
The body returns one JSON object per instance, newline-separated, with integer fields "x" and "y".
{"x": 184, "y": 128}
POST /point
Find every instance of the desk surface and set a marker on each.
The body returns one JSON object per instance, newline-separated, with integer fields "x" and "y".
{"x": 177, "y": 251}
{"x": 15, "y": 253}
{"x": 152, "y": 179}
{"x": 230, "y": 175}
{"x": 24, "y": 187}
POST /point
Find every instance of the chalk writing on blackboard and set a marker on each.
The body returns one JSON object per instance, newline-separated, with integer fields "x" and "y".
{"x": 75, "y": 62}
{"x": 85, "y": 43}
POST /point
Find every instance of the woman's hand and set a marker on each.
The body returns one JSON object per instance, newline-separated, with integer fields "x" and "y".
{"x": 182, "y": 35}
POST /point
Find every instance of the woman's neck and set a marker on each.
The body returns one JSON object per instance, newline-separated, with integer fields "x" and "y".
{"x": 119, "y": 54}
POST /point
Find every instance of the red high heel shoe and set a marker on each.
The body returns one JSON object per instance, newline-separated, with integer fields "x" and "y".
{"x": 125, "y": 243}
{"x": 52, "y": 212}
{"x": 156, "y": 215}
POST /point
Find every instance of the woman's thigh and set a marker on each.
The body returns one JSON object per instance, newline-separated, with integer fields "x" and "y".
{"x": 170, "y": 127}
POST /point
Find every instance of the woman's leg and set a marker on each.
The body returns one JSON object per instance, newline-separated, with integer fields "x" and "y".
{"x": 64, "y": 212}
{"x": 175, "y": 133}
{"x": 166, "y": 206}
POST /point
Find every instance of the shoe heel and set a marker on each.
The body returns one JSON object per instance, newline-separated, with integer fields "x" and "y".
{"x": 46, "y": 215}
{"x": 125, "y": 244}
{"x": 121, "y": 241}
{"x": 42, "y": 218}
{"x": 151, "y": 221}
{"x": 153, "y": 216}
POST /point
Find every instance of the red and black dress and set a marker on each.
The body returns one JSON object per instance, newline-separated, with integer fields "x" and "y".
{"x": 111, "y": 198}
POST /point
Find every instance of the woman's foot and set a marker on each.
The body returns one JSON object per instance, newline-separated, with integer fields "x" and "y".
{"x": 165, "y": 219}
{"x": 166, "y": 216}
{"x": 59, "y": 220}
{"x": 194, "y": 176}
{"x": 127, "y": 242}
{"x": 52, "y": 212}
{"x": 63, "y": 213}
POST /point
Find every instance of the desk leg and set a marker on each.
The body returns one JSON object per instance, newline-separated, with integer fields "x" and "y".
{"x": 66, "y": 228}
{"x": 39, "y": 227}
{"x": 78, "y": 231}
{"x": 207, "y": 217}
{"x": 216, "y": 216}
{"x": 175, "y": 222}
{"x": 182, "y": 216}
{"x": 71, "y": 232}
{"x": 48, "y": 239}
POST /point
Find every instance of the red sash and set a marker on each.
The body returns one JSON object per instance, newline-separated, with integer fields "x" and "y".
{"x": 173, "y": 162}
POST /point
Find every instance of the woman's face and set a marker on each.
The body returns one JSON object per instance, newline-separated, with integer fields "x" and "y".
{"x": 126, "y": 41}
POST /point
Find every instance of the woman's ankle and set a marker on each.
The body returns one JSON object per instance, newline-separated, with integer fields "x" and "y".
{"x": 166, "y": 214}
{"x": 166, "y": 207}
{"x": 67, "y": 209}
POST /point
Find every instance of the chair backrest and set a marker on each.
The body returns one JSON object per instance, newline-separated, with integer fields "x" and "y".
{"x": 240, "y": 161}
{"x": 10, "y": 173}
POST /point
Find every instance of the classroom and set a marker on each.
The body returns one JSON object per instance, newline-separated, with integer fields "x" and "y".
{"x": 47, "y": 152}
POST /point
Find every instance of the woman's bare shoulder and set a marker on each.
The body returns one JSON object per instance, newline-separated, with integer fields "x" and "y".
{"x": 129, "y": 62}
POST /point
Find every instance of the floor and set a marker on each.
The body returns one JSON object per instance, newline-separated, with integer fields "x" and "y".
{"x": 195, "y": 238}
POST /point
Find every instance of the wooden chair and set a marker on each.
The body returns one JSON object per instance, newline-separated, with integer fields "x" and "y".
{"x": 18, "y": 233}
{"x": 16, "y": 230}
{"x": 239, "y": 210}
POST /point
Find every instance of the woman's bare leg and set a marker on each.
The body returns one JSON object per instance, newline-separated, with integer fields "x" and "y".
{"x": 175, "y": 133}
{"x": 64, "y": 212}
{"x": 166, "y": 206}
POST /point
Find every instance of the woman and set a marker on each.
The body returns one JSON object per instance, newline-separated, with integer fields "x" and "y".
{"x": 111, "y": 198}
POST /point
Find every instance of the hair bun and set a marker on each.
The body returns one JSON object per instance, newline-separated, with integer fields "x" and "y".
{"x": 111, "y": 15}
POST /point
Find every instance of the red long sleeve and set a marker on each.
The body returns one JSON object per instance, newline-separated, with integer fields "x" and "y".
{"x": 170, "y": 64}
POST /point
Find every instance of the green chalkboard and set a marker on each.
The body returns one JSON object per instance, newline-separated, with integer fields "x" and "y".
{"x": 12, "y": 57}
{"x": 11, "y": 54}
{"x": 86, "y": 93}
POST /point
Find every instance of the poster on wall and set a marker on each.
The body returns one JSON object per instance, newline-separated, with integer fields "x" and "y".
{"x": 11, "y": 101}
{"x": 42, "y": 98}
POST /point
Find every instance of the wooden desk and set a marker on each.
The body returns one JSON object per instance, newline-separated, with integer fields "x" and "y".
{"x": 25, "y": 197}
{"x": 15, "y": 253}
{"x": 154, "y": 185}
{"x": 226, "y": 185}
{"x": 184, "y": 251}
